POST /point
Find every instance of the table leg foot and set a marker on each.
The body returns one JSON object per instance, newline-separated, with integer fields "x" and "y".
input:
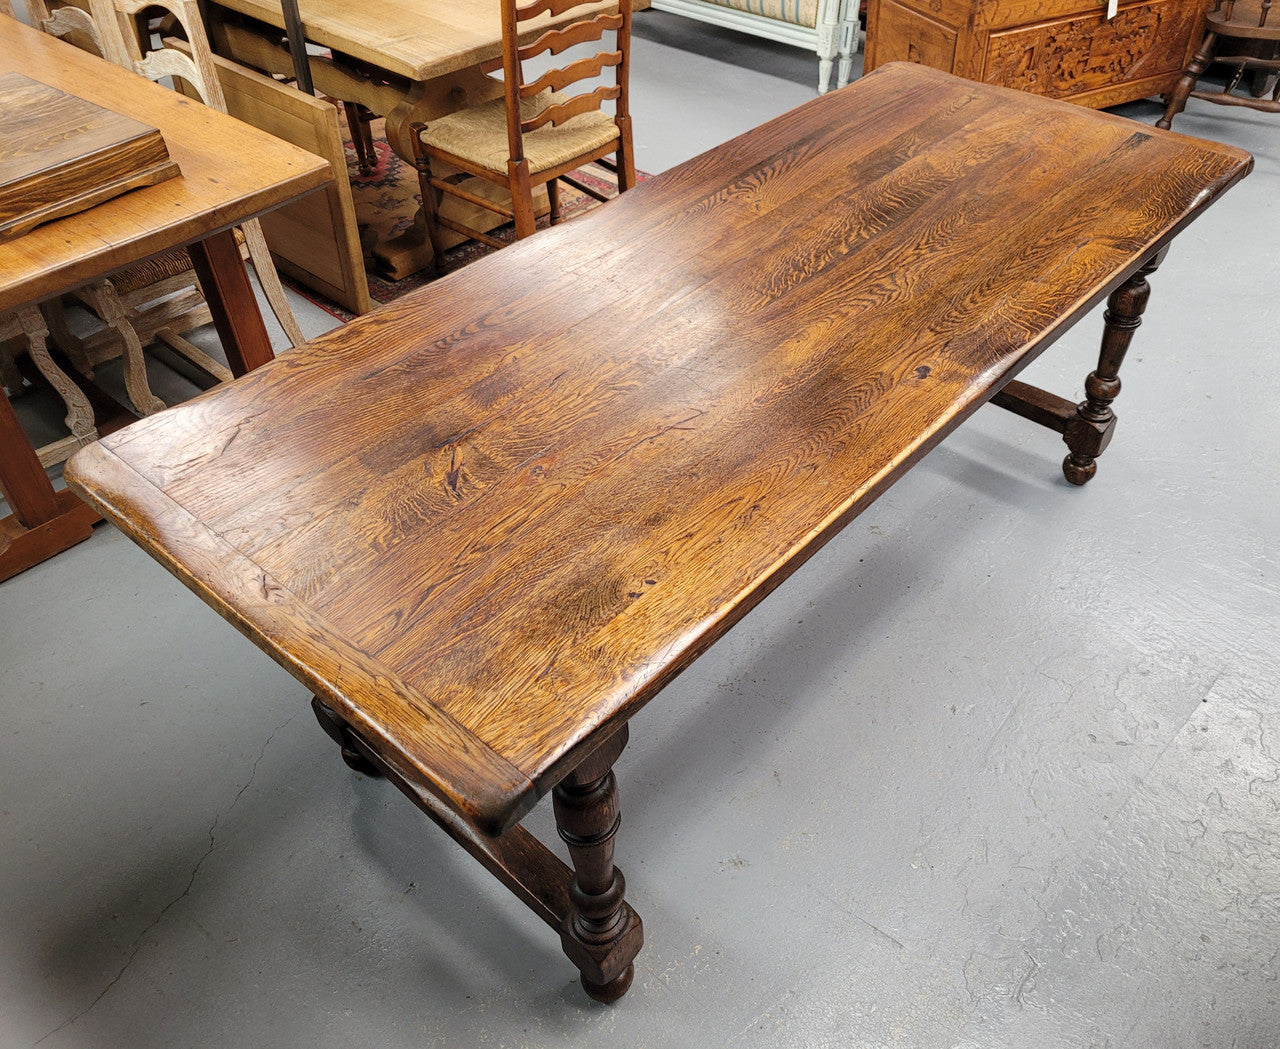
{"x": 599, "y": 931}
{"x": 338, "y": 731}
{"x": 1089, "y": 431}
{"x": 405, "y": 254}
{"x": 610, "y": 992}
{"x": 601, "y": 934}
{"x": 1078, "y": 472}
{"x": 23, "y": 547}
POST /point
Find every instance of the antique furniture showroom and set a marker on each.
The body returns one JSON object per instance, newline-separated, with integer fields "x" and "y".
{"x": 644, "y": 456}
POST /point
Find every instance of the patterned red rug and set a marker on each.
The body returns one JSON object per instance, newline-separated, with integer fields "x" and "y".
{"x": 385, "y": 202}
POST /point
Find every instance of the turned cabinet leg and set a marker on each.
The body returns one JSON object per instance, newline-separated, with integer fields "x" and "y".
{"x": 601, "y": 934}
{"x": 1177, "y": 98}
{"x": 1089, "y": 431}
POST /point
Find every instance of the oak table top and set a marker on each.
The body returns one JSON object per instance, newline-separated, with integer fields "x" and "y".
{"x": 406, "y": 37}
{"x": 489, "y": 522}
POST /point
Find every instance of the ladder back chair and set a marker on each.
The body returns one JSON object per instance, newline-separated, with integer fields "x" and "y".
{"x": 537, "y": 133}
{"x": 25, "y": 330}
{"x": 1239, "y": 33}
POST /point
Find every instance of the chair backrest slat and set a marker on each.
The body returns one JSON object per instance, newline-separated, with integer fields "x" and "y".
{"x": 555, "y": 7}
{"x": 558, "y": 40}
{"x": 559, "y": 79}
{"x": 68, "y": 23}
{"x": 113, "y": 16}
{"x": 558, "y": 114}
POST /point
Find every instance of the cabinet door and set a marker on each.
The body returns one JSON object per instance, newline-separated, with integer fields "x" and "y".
{"x": 900, "y": 32}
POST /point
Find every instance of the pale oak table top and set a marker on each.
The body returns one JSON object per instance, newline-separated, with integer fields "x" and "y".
{"x": 489, "y": 522}
{"x": 217, "y": 190}
{"x": 230, "y": 172}
{"x": 413, "y": 39}
{"x": 430, "y": 56}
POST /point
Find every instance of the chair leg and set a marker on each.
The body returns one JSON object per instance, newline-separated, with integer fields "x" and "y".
{"x": 56, "y": 316}
{"x": 1259, "y": 82}
{"x": 9, "y": 374}
{"x": 79, "y": 417}
{"x": 106, "y": 303}
{"x": 1199, "y": 63}
{"x": 431, "y": 199}
{"x": 521, "y": 198}
{"x": 193, "y": 355}
{"x": 553, "y": 197}
{"x": 625, "y": 155}
{"x": 361, "y": 136}
{"x": 847, "y": 42}
{"x": 269, "y": 280}
{"x": 366, "y": 136}
{"x": 827, "y": 29}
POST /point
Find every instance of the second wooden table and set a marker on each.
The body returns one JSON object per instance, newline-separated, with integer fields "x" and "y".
{"x": 215, "y": 191}
{"x": 407, "y": 61}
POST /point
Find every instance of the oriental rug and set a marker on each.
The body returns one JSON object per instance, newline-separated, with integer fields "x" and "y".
{"x": 386, "y": 200}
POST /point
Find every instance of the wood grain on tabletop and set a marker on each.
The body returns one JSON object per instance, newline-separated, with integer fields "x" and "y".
{"x": 530, "y": 494}
{"x": 405, "y": 37}
{"x": 210, "y": 195}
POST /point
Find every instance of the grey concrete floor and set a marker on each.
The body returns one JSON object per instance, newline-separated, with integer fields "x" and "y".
{"x": 999, "y": 767}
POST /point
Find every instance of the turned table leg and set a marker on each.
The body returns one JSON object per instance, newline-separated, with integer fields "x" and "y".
{"x": 340, "y": 733}
{"x": 599, "y": 931}
{"x": 601, "y": 934}
{"x": 1089, "y": 431}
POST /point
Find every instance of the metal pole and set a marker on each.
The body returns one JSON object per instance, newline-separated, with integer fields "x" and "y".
{"x": 297, "y": 46}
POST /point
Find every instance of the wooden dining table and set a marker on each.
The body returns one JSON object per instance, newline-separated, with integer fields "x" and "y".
{"x": 490, "y": 522}
{"x": 197, "y": 210}
{"x": 410, "y": 62}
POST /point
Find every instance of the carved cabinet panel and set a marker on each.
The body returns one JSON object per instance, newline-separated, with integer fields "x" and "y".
{"x": 1061, "y": 48}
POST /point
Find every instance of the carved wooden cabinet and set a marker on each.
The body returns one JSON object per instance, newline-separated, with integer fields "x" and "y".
{"x": 1061, "y": 48}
